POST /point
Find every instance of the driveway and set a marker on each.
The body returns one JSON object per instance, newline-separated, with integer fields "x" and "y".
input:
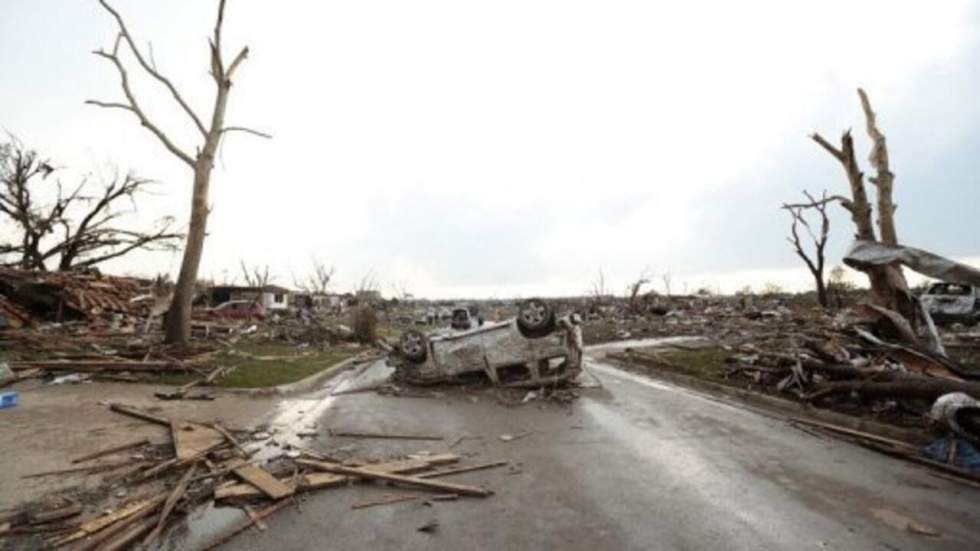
{"x": 633, "y": 464}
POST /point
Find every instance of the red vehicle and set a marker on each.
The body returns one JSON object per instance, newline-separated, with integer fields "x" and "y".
{"x": 239, "y": 309}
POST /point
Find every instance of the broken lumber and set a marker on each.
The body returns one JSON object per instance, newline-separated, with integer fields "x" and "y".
{"x": 853, "y": 432}
{"x": 366, "y": 472}
{"x": 56, "y": 514}
{"x": 193, "y": 439}
{"x": 247, "y": 523}
{"x": 228, "y": 436}
{"x": 110, "y": 451}
{"x": 128, "y": 536}
{"x": 169, "y": 504}
{"x": 89, "y": 469}
{"x": 139, "y": 414}
{"x": 381, "y": 435}
{"x": 459, "y": 470}
{"x": 318, "y": 481}
{"x": 98, "y": 523}
{"x": 387, "y": 500}
{"x": 90, "y": 365}
{"x": 264, "y": 481}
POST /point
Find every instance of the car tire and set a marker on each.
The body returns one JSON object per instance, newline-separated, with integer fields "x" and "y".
{"x": 535, "y": 318}
{"x": 413, "y": 346}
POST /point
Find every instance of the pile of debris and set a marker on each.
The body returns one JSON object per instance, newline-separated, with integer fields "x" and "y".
{"x": 156, "y": 485}
{"x": 62, "y": 296}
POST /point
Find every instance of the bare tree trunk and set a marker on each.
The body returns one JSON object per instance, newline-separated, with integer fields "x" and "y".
{"x": 889, "y": 288}
{"x": 178, "y": 323}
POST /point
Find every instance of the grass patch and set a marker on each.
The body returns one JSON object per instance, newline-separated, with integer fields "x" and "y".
{"x": 704, "y": 363}
{"x": 268, "y": 364}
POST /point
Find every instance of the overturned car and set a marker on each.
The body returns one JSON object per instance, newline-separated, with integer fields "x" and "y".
{"x": 535, "y": 348}
{"x": 952, "y": 302}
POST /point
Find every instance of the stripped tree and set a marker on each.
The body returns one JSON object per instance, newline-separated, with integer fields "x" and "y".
{"x": 178, "y": 322}
{"x": 634, "y": 288}
{"x": 319, "y": 281}
{"x": 78, "y": 228}
{"x": 889, "y": 289}
{"x": 816, "y": 263}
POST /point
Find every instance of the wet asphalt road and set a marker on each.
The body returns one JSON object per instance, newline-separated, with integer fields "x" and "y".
{"x": 633, "y": 464}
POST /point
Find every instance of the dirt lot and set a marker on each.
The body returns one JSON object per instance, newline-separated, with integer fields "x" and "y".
{"x": 54, "y": 424}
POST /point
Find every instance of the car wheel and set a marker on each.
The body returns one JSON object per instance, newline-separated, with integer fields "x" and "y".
{"x": 535, "y": 318}
{"x": 413, "y": 346}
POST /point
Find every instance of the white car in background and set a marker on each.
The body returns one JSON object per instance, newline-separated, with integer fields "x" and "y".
{"x": 952, "y": 302}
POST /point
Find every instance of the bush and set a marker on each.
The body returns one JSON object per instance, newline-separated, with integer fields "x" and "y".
{"x": 364, "y": 322}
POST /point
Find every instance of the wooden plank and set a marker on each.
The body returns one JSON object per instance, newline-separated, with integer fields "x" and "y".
{"x": 169, "y": 505}
{"x": 101, "y": 365}
{"x": 248, "y": 523}
{"x": 428, "y": 484}
{"x": 98, "y": 523}
{"x": 133, "y": 412}
{"x": 89, "y": 469}
{"x": 382, "y": 435}
{"x": 228, "y": 436}
{"x": 319, "y": 481}
{"x": 853, "y": 432}
{"x": 193, "y": 439}
{"x": 264, "y": 481}
{"x": 387, "y": 500}
{"x": 256, "y": 519}
{"x": 469, "y": 469}
{"x": 56, "y": 514}
{"x": 110, "y": 451}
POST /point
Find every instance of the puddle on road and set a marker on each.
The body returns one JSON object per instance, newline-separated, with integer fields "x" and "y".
{"x": 292, "y": 417}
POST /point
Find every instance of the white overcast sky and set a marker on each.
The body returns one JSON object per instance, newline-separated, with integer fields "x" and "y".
{"x": 515, "y": 147}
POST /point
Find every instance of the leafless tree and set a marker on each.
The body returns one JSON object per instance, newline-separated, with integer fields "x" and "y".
{"x": 816, "y": 263}
{"x": 889, "y": 288}
{"x": 78, "y": 229}
{"x": 256, "y": 276}
{"x": 598, "y": 292}
{"x": 178, "y": 326}
{"x": 368, "y": 284}
{"x": 666, "y": 278}
{"x": 634, "y": 288}
{"x": 319, "y": 281}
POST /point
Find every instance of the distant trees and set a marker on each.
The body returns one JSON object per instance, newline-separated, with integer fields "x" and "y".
{"x": 201, "y": 162}
{"x": 317, "y": 282}
{"x": 62, "y": 230}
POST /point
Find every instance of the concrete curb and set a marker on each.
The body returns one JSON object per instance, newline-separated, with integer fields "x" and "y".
{"x": 301, "y": 385}
{"x": 774, "y": 404}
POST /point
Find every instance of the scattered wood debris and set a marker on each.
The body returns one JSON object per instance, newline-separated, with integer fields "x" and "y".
{"x": 206, "y": 462}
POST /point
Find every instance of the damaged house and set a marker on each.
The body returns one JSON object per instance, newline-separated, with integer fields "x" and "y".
{"x": 27, "y": 296}
{"x": 271, "y": 297}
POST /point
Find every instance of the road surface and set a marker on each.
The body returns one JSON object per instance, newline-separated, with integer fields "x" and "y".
{"x": 633, "y": 464}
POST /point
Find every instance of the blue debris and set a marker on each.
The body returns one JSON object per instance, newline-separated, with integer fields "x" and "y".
{"x": 9, "y": 399}
{"x": 967, "y": 456}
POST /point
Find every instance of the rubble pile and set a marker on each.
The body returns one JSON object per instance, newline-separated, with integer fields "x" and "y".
{"x": 151, "y": 487}
{"x": 61, "y": 296}
{"x": 854, "y": 361}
